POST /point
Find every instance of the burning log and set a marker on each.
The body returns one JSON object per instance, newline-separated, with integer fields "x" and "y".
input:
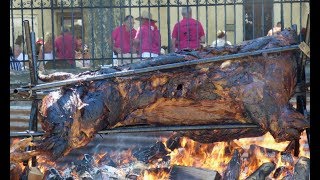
{"x": 233, "y": 168}
{"x": 85, "y": 165}
{"x": 232, "y": 146}
{"x": 262, "y": 172}
{"x": 279, "y": 171}
{"x": 174, "y": 141}
{"x": 185, "y": 172}
{"x": 106, "y": 160}
{"x": 302, "y": 169}
{"x": 256, "y": 151}
{"x": 254, "y": 89}
{"x": 288, "y": 176}
{"x": 146, "y": 155}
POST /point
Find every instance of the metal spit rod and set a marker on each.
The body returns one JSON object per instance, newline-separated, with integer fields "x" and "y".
{"x": 139, "y": 129}
{"x": 154, "y": 68}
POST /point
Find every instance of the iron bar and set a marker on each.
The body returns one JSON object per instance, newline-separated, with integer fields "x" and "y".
{"x": 133, "y": 5}
{"x": 154, "y": 68}
{"x": 147, "y": 128}
{"x": 30, "y": 40}
{"x": 33, "y": 76}
{"x": 176, "y": 128}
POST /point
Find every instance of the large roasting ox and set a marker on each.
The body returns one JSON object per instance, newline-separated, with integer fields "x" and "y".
{"x": 252, "y": 89}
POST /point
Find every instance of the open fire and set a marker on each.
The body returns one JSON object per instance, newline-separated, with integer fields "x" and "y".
{"x": 175, "y": 157}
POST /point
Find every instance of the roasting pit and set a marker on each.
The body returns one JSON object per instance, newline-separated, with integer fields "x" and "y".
{"x": 171, "y": 155}
{"x": 142, "y": 156}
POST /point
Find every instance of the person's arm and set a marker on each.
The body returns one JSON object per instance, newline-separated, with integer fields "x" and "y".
{"x": 269, "y": 32}
{"x": 203, "y": 39}
{"x": 173, "y": 45}
{"x": 40, "y": 55}
{"x": 174, "y": 38}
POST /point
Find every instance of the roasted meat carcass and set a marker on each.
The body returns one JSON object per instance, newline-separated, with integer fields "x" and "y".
{"x": 253, "y": 89}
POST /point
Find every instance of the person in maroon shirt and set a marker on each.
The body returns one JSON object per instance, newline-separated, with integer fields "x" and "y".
{"x": 65, "y": 47}
{"x": 188, "y": 33}
{"x": 148, "y": 39}
{"x": 121, "y": 40}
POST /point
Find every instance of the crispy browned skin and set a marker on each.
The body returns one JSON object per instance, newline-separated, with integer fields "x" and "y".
{"x": 18, "y": 151}
{"x": 246, "y": 90}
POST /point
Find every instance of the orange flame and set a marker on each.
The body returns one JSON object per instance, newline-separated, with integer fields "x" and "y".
{"x": 214, "y": 156}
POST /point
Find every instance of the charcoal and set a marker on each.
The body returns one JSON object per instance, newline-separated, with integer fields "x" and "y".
{"x": 173, "y": 142}
{"x": 149, "y": 154}
{"x": 106, "y": 160}
{"x": 53, "y": 174}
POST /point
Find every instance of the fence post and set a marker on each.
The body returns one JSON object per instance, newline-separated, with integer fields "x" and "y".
{"x": 30, "y": 40}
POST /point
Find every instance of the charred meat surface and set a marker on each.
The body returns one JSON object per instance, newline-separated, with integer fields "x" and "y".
{"x": 254, "y": 89}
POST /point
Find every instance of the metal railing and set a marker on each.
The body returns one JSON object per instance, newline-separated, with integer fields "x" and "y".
{"x": 93, "y": 22}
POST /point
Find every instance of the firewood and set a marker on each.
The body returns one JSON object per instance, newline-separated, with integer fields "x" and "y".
{"x": 85, "y": 165}
{"x": 185, "y": 172}
{"x": 271, "y": 154}
{"x": 288, "y": 176}
{"x": 279, "y": 171}
{"x": 262, "y": 172}
{"x": 302, "y": 169}
{"x": 106, "y": 160}
{"x": 233, "y": 169}
{"x": 233, "y": 146}
{"x": 149, "y": 154}
{"x": 287, "y": 158}
{"x": 174, "y": 141}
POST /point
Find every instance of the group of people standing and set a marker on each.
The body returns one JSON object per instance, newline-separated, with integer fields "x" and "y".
{"x": 128, "y": 43}
{"x": 145, "y": 42}
{"x": 67, "y": 47}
